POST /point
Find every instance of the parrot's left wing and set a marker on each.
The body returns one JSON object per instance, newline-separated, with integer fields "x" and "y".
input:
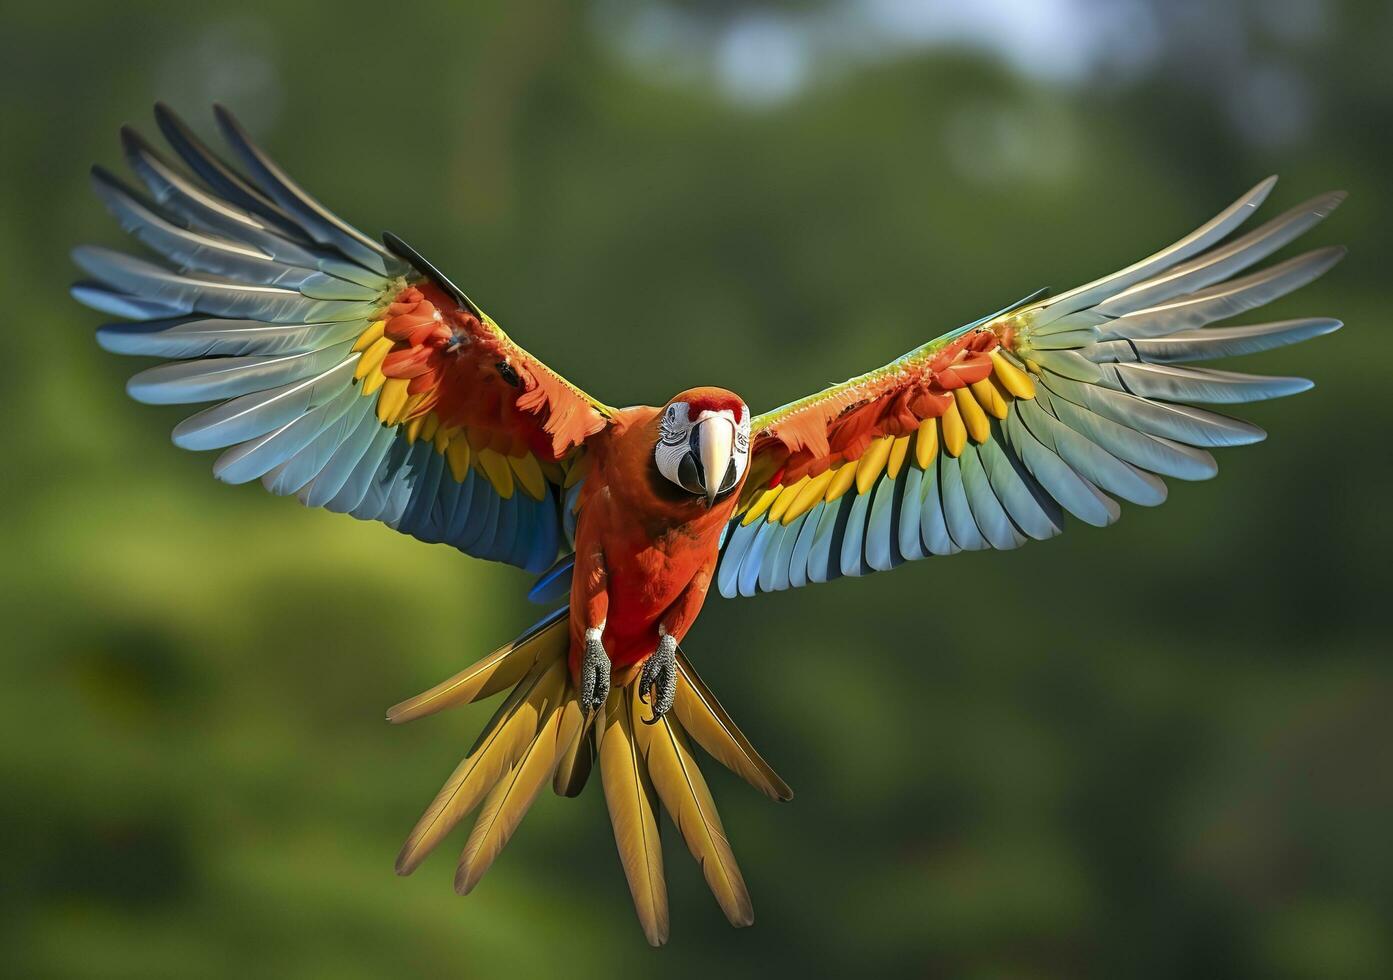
{"x": 351, "y": 375}
{"x": 987, "y": 436}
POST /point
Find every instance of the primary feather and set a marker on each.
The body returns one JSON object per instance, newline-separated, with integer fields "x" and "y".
{"x": 1057, "y": 404}
{"x": 282, "y": 312}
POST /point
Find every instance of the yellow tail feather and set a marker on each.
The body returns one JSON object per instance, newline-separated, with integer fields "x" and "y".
{"x": 540, "y": 733}
{"x": 508, "y": 736}
{"x": 688, "y": 801}
{"x": 577, "y": 758}
{"x": 515, "y": 792}
{"x": 499, "y": 670}
{"x": 633, "y": 811}
{"x": 702, "y": 716}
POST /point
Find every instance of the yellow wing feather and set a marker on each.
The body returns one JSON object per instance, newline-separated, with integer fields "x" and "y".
{"x": 954, "y": 431}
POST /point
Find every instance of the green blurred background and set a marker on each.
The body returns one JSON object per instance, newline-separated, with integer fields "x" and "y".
{"x": 1158, "y": 751}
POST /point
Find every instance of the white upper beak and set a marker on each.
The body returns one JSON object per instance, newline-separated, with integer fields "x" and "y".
{"x": 716, "y": 437}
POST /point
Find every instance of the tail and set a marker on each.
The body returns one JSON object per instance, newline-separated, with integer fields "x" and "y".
{"x": 540, "y": 733}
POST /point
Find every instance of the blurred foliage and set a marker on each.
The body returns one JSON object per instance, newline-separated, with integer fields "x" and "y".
{"x": 1156, "y": 751}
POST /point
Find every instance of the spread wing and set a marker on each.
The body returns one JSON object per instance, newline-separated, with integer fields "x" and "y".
{"x": 989, "y": 435}
{"x": 353, "y": 376}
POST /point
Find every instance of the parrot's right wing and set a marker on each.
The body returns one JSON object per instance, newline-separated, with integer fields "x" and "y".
{"x": 354, "y": 376}
{"x": 987, "y": 436}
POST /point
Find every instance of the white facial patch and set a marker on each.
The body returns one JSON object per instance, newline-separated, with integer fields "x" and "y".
{"x": 679, "y": 451}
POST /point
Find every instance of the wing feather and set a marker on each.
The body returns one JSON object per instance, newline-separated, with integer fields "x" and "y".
{"x": 984, "y": 437}
{"x": 281, "y": 313}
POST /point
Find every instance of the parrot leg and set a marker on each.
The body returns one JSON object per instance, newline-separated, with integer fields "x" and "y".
{"x": 660, "y": 671}
{"x": 594, "y": 671}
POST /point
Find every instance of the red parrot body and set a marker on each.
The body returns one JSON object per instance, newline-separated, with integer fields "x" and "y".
{"x": 645, "y": 549}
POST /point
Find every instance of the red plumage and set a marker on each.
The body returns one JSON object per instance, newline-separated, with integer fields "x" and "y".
{"x": 473, "y": 376}
{"x": 646, "y": 550}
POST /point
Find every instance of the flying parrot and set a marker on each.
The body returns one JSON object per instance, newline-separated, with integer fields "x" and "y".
{"x": 354, "y": 376}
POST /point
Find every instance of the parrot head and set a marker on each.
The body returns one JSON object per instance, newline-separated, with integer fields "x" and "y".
{"x": 704, "y": 442}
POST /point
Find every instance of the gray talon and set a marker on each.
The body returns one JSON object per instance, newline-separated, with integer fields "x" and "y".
{"x": 660, "y": 677}
{"x": 594, "y": 672}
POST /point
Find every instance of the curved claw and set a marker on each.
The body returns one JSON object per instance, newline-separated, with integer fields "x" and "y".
{"x": 646, "y": 678}
{"x": 661, "y": 670}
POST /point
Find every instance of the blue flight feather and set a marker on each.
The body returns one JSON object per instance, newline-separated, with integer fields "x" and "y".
{"x": 957, "y": 513}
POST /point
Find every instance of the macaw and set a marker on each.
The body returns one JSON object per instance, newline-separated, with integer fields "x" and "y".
{"x": 355, "y": 376}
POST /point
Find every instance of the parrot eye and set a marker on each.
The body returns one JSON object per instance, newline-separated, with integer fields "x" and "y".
{"x": 673, "y": 430}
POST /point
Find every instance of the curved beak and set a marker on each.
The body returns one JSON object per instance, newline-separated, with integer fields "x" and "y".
{"x": 715, "y": 442}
